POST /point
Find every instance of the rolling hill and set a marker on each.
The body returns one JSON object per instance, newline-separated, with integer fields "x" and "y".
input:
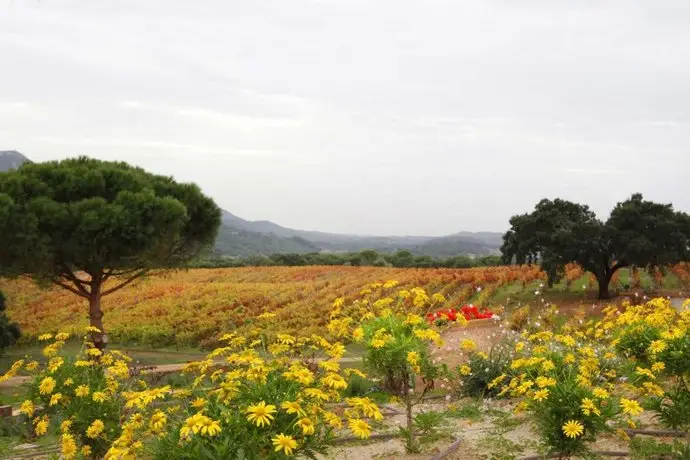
{"x": 238, "y": 237}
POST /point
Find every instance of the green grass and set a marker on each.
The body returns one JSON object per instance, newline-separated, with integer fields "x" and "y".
{"x": 145, "y": 357}
{"x": 470, "y": 411}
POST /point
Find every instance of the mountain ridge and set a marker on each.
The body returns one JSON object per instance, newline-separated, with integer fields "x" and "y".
{"x": 238, "y": 237}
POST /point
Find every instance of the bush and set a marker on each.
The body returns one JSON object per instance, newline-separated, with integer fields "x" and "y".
{"x": 79, "y": 398}
{"x": 268, "y": 401}
{"x": 481, "y": 376}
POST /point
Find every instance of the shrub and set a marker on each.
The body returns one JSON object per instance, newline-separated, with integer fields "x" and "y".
{"x": 481, "y": 376}
{"x": 267, "y": 402}
{"x": 78, "y": 398}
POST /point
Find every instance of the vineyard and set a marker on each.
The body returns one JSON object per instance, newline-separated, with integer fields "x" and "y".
{"x": 191, "y": 308}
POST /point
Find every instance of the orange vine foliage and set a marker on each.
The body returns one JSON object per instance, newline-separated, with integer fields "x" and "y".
{"x": 190, "y": 308}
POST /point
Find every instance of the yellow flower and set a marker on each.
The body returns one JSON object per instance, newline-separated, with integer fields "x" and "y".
{"x": 316, "y": 394}
{"x": 333, "y": 420}
{"x": 95, "y": 429}
{"x": 209, "y": 427}
{"x": 86, "y": 450}
{"x": 199, "y": 403}
{"x": 292, "y": 407}
{"x": 658, "y": 367}
{"x": 261, "y": 414}
{"x": 359, "y": 428}
{"x": 588, "y": 407}
{"x": 541, "y": 395}
{"x": 55, "y": 399}
{"x": 645, "y": 372}
{"x": 44, "y": 337}
{"x": 377, "y": 343}
{"x": 68, "y": 383}
{"x": 631, "y": 407}
{"x": 65, "y": 426}
{"x": 413, "y": 319}
{"x": 47, "y": 386}
{"x": 32, "y": 366}
{"x": 335, "y": 381}
{"x": 69, "y": 447}
{"x": 62, "y": 336}
{"x": 413, "y": 358}
{"x": 41, "y": 427}
{"x": 496, "y": 381}
{"x": 81, "y": 391}
{"x": 307, "y": 426}
{"x": 548, "y": 365}
{"x": 657, "y": 346}
{"x": 158, "y": 421}
{"x": 95, "y": 352}
{"x": 467, "y": 344}
{"x": 358, "y": 334}
{"x": 543, "y": 382}
{"x": 55, "y": 363}
{"x": 286, "y": 443}
{"x": 99, "y": 396}
{"x": 600, "y": 393}
{"x": 192, "y": 425}
{"x": 330, "y": 366}
{"x": 569, "y": 358}
{"x": 653, "y": 389}
{"x": 27, "y": 408}
{"x": 465, "y": 370}
{"x": 573, "y": 429}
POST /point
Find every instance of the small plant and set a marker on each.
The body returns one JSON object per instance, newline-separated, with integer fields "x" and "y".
{"x": 519, "y": 318}
{"x": 649, "y": 449}
{"x": 428, "y": 422}
{"x": 398, "y": 351}
{"x": 481, "y": 376}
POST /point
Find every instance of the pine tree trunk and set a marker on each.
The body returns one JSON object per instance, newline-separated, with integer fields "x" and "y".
{"x": 96, "y": 318}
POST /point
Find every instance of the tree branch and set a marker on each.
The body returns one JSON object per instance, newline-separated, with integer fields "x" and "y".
{"x": 78, "y": 283}
{"x": 125, "y": 283}
{"x": 618, "y": 265}
{"x": 72, "y": 289}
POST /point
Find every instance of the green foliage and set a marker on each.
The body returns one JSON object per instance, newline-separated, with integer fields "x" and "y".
{"x": 484, "y": 370}
{"x": 673, "y": 409}
{"x": 72, "y": 395}
{"x": 641, "y": 233}
{"x": 91, "y": 215}
{"x": 390, "y": 341}
{"x": 635, "y": 341}
{"x": 428, "y": 422}
{"x": 642, "y": 448}
{"x": 9, "y": 331}
{"x": 61, "y": 220}
{"x": 471, "y": 411}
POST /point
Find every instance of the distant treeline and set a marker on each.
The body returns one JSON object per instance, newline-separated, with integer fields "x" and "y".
{"x": 366, "y": 258}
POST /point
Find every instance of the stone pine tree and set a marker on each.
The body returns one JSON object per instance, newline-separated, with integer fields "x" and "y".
{"x": 93, "y": 227}
{"x": 637, "y": 233}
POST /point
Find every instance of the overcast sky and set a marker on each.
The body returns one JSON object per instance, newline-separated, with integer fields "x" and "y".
{"x": 378, "y": 117}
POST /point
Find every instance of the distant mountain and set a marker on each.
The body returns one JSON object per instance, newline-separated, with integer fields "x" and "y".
{"x": 238, "y": 237}
{"x": 463, "y": 243}
{"x": 11, "y": 159}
